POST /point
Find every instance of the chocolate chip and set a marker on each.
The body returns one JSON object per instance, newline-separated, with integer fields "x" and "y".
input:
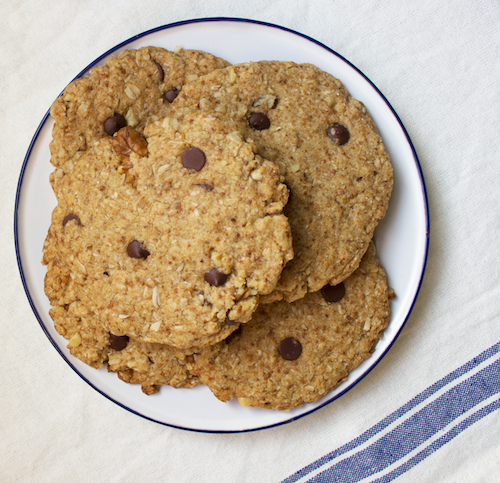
{"x": 289, "y": 192}
{"x": 161, "y": 73}
{"x": 105, "y": 273}
{"x": 114, "y": 123}
{"x": 290, "y": 349}
{"x": 171, "y": 94}
{"x": 233, "y": 335}
{"x": 205, "y": 186}
{"x": 215, "y": 278}
{"x": 333, "y": 293}
{"x": 134, "y": 250}
{"x": 338, "y": 134}
{"x": 69, "y": 217}
{"x": 230, "y": 321}
{"x": 118, "y": 342}
{"x": 193, "y": 158}
{"x": 259, "y": 121}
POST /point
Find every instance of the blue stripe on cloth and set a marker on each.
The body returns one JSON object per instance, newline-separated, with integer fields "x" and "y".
{"x": 395, "y": 415}
{"x": 446, "y": 438}
{"x": 415, "y": 430}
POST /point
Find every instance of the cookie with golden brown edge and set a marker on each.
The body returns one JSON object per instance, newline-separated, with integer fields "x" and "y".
{"x": 292, "y": 354}
{"x": 171, "y": 238}
{"x": 150, "y": 365}
{"x": 328, "y": 149}
{"x": 133, "y": 88}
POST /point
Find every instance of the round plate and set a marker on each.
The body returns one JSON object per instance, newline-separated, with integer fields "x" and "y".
{"x": 401, "y": 238}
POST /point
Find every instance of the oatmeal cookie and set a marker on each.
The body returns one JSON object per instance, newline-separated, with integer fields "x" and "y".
{"x": 291, "y": 354}
{"x": 150, "y": 365}
{"x": 328, "y": 149}
{"x": 170, "y": 238}
{"x": 133, "y": 88}
{"x": 87, "y": 339}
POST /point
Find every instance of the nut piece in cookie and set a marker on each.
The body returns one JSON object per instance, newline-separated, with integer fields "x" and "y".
{"x": 131, "y": 89}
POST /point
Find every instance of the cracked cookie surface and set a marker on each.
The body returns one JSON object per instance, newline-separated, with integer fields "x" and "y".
{"x": 328, "y": 149}
{"x": 164, "y": 248}
{"x": 292, "y": 354}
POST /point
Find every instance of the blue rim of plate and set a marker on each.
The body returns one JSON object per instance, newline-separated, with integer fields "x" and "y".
{"x": 266, "y": 24}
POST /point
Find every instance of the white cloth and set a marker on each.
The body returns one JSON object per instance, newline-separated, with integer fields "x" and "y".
{"x": 437, "y": 62}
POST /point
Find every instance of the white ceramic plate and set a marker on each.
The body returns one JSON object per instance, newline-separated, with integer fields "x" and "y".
{"x": 401, "y": 238}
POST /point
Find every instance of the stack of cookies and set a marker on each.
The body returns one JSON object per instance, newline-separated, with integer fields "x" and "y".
{"x": 214, "y": 226}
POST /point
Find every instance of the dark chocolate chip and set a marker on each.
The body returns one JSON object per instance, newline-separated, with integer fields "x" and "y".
{"x": 259, "y": 121}
{"x": 114, "y": 123}
{"x": 69, "y": 217}
{"x": 230, "y": 321}
{"x": 134, "y": 250}
{"x": 118, "y": 342}
{"x": 233, "y": 335}
{"x": 289, "y": 191}
{"x": 205, "y": 186}
{"x": 193, "y": 158}
{"x": 161, "y": 73}
{"x": 333, "y": 293}
{"x": 338, "y": 134}
{"x": 215, "y": 278}
{"x": 290, "y": 349}
{"x": 171, "y": 94}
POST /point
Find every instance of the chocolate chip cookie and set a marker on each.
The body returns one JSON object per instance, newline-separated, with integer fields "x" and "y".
{"x": 328, "y": 149}
{"x": 150, "y": 365}
{"x": 170, "y": 238}
{"x": 133, "y": 89}
{"x": 292, "y": 354}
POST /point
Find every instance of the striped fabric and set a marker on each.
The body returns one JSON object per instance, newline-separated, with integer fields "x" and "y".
{"x": 417, "y": 429}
